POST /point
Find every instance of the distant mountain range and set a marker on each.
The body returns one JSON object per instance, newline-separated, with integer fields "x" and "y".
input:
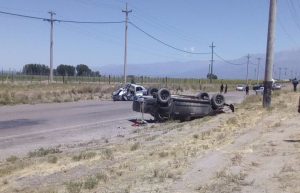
{"x": 288, "y": 61}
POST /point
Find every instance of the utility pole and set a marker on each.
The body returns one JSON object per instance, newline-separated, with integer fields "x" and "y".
{"x": 279, "y": 73}
{"x": 209, "y": 68}
{"x": 248, "y": 58}
{"x": 51, "y": 45}
{"x": 212, "y": 61}
{"x": 285, "y": 70}
{"x": 270, "y": 55}
{"x": 258, "y": 64}
{"x": 125, "y": 54}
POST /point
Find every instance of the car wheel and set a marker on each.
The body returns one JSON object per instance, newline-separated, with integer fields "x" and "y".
{"x": 217, "y": 101}
{"x": 163, "y": 95}
{"x": 203, "y": 96}
{"x": 153, "y": 91}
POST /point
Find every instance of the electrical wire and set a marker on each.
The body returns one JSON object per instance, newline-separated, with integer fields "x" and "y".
{"x": 88, "y": 22}
{"x": 24, "y": 16}
{"x": 293, "y": 13}
{"x": 61, "y": 20}
{"x": 164, "y": 43}
{"x": 226, "y": 61}
{"x": 286, "y": 32}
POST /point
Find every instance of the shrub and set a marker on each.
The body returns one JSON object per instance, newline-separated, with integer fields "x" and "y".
{"x": 90, "y": 183}
{"x": 52, "y": 159}
{"x": 135, "y": 146}
{"x": 12, "y": 159}
{"x": 74, "y": 187}
{"x": 84, "y": 155}
{"x": 41, "y": 152}
{"x": 102, "y": 176}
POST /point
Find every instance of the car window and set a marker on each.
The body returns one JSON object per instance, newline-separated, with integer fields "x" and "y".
{"x": 139, "y": 88}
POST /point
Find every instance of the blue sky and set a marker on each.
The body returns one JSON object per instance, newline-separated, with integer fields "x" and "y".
{"x": 237, "y": 27}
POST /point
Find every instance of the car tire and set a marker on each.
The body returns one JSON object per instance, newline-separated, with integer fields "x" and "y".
{"x": 163, "y": 95}
{"x": 153, "y": 91}
{"x": 203, "y": 96}
{"x": 217, "y": 101}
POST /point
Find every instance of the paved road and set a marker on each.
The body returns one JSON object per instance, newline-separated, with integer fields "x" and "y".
{"x": 27, "y": 127}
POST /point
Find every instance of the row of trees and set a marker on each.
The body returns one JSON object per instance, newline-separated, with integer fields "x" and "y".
{"x": 68, "y": 70}
{"x": 61, "y": 70}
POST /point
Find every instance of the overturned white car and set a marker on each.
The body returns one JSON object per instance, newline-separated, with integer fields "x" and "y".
{"x": 129, "y": 92}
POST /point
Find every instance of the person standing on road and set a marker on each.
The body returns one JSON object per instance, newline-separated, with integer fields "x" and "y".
{"x": 295, "y": 83}
{"x": 221, "y": 88}
{"x": 225, "y": 91}
{"x": 247, "y": 89}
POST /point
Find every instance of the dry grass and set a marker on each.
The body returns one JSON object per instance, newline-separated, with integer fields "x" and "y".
{"x": 41, "y": 152}
{"x": 52, "y": 159}
{"x": 12, "y": 159}
{"x": 22, "y": 93}
{"x": 226, "y": 182}
{"x": 236, "y": 159}
{"x": 135, "y": 146}
{"x": 84, "y": 156}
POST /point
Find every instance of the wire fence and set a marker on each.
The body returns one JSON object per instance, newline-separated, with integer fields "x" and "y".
{"x": 13, "y": 77}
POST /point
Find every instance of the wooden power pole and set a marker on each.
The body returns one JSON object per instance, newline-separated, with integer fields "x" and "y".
{"x": 125, "y": 52}
{"x": 270, "y": 55}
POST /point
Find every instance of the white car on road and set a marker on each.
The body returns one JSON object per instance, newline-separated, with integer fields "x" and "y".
{"x": 241, "y": 87}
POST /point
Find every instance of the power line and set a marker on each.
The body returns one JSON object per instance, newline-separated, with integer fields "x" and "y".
{"x": 100, "y": 22}
{"x": 286, "y": 32}
{"x": 164, "y": 43}
{"x": 293, "y": 13}
{"x": 89, "y": 22}
{"x": 24, "y": 16}
{"x": 228, "y": 62}
{"x": 61, "y": 20}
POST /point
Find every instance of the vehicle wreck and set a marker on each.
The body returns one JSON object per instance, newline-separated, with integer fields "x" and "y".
{"x": 129, "y": 92}
{"x": 164, "y": 106}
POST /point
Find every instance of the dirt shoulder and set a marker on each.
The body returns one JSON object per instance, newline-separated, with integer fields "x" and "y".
{"x": 251, "y": 150}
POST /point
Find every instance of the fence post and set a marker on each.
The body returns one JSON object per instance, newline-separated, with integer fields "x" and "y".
{"x": 108, "y": 79}
{"x": 166, "y": 82}
{"x": 299, "y": 106}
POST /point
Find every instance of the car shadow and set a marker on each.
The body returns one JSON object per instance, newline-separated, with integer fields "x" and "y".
{"x": 145, "y": 120}
{"x": 292, "y": 140}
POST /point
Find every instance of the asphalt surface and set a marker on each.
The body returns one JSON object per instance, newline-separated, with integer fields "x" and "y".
{"x": 24, "y": 128}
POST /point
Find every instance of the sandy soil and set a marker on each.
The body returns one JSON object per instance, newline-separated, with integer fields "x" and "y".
{"x": 251, "y": 150}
